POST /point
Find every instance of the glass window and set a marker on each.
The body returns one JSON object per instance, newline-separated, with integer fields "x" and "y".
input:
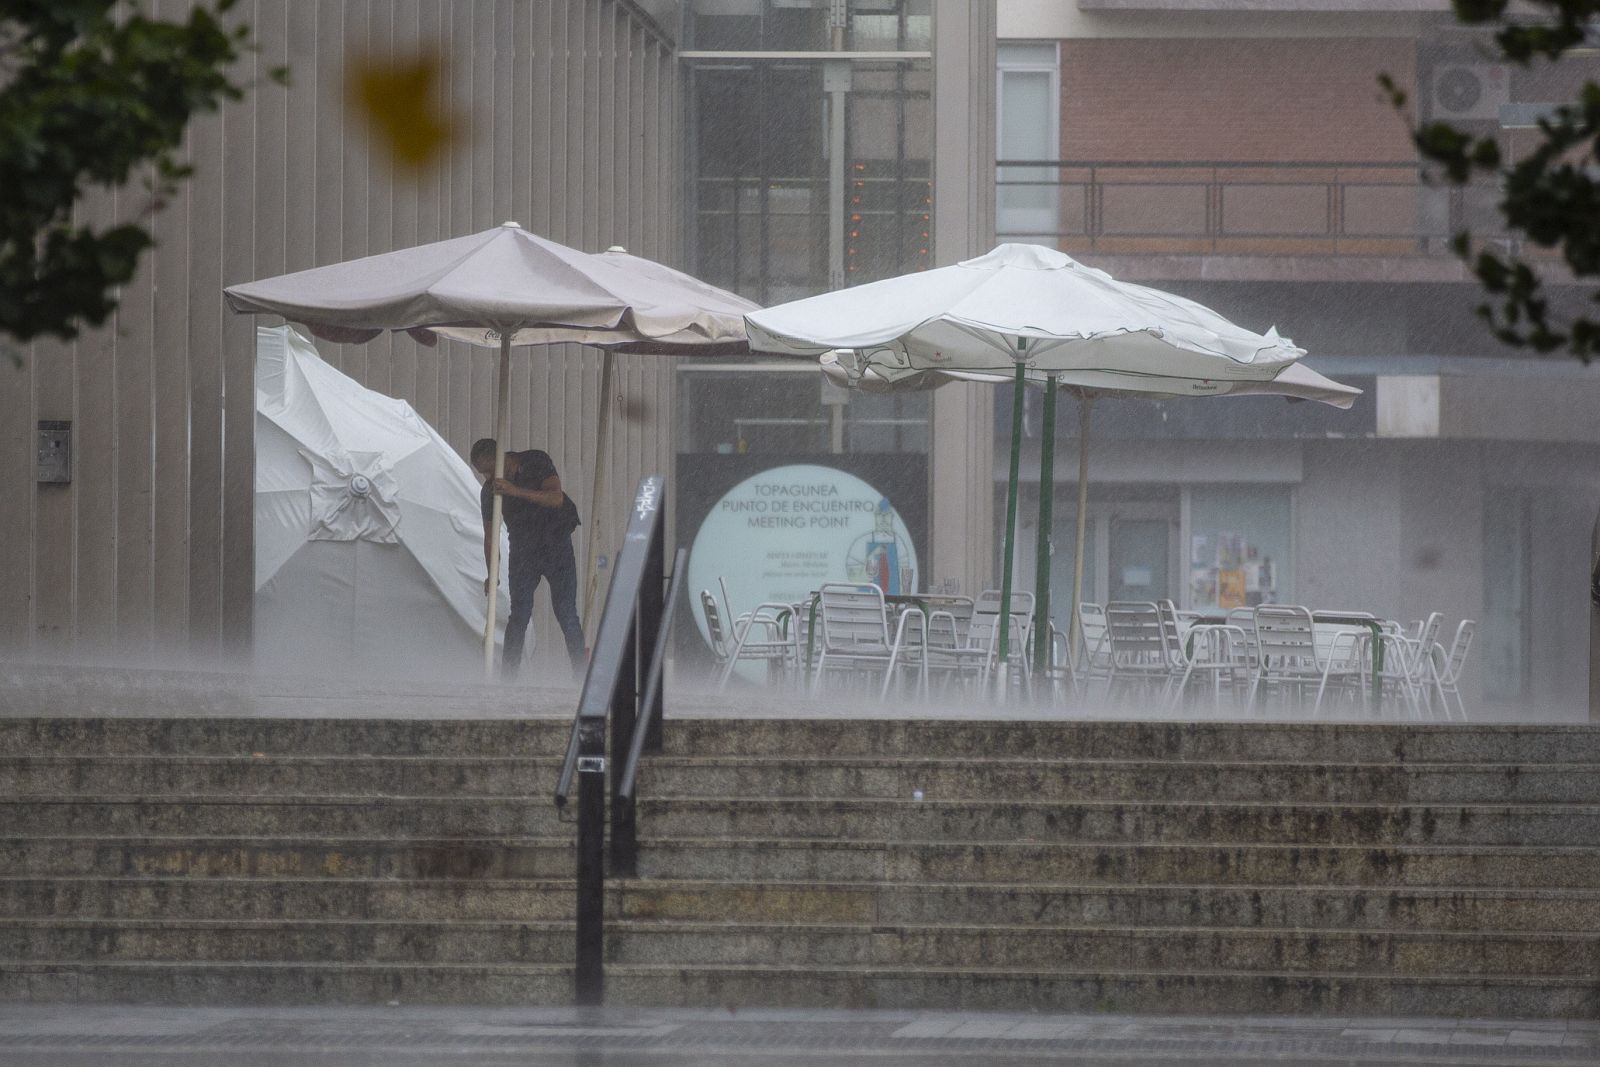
{"x": 1239, "y": 547}
{"x": 1027, "y": 199}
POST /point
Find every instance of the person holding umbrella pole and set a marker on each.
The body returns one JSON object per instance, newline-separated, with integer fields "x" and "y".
{"x": 540, "y": 518}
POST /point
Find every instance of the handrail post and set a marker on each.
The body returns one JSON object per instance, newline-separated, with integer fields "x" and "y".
{"x": 624, "y": 714}
{"x": 590, "y": 977}
{"x": 652, "y": 617}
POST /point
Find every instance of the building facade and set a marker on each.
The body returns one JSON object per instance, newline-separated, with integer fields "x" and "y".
{"x": 699, "y": 134}
{"x": 1242, "y": 154}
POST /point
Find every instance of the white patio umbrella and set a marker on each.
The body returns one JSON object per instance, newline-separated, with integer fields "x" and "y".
{"x": 500, "y": 288}
{"x": 367, "y": 525}
{"x": 1295, "y": 383}
{"x": 1024, "y": 308}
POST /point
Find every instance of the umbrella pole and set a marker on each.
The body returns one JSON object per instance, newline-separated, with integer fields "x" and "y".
{"x": 1011, "y": 526}
{"x": 1041, "y": 585}
{"x": 501, "y": 428}
{"x": 602, "y": 443}
{"x": 1084, "y": 402}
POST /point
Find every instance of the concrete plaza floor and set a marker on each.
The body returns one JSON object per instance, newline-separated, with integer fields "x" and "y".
{"x": 81, "y": 1035}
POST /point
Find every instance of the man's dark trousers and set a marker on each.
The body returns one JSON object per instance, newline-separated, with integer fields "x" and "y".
{"x": 554, "y": 562}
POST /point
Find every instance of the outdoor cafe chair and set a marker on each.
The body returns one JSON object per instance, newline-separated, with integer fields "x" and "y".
{"x": 1140, "y": 657}
{"x": 1221, "y": 651}
{"x": 1447, "y": 667}
{"x": 985, "y": 633}
{"x": 1094, "y": 659}
{"x": 853, "y": 635}
{"x": 1292, "y": 656}
{"x": 761, "y": 638}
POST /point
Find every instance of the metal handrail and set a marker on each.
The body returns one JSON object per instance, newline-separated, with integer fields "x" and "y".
{"x": 652, "y": 686}
{"x": 631, "y": 625}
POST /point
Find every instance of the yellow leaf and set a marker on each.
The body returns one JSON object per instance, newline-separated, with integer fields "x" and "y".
{"x": 395, "y": 97}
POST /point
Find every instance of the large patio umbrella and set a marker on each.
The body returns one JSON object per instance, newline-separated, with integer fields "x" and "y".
{"x": 1295, "y": 383}
{"x": 1024, "y": 308}
{"x": 500, "y": 288}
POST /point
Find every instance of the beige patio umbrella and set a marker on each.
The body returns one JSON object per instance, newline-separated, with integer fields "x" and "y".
{"x": 506, "y": 287}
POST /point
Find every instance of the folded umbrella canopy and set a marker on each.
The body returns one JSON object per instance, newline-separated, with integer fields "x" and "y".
{"x": 1020, "y": 309}
{"x": 506, "y": 287}
{"x": 367, "y": 527}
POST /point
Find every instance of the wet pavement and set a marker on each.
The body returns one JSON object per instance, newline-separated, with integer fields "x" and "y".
{"x": 402, "y": 1036}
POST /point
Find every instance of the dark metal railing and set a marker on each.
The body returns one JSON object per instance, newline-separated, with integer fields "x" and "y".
{"x": 629, "y": 649}
{"x": 1131, "y": 205}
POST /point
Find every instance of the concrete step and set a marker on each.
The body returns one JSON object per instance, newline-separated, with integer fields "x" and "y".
{"x": 720, "y": 944}
{"x": 814, "y": 818}
{"x": 802, "y": 777}
{"x": 1018, "y": 820}
{"x": 61, "y": 736}
{"x": 1266, "y": 907}
{"x": 288, "y": 857}
{"x": 789, "y": 860}
{"x": 1292, "y": 742}
{"x": 282, "y": 816}
{"x": 1119, "y": 863}
{"x": 1310, "y": 743}
{"x": 734, "y": 987}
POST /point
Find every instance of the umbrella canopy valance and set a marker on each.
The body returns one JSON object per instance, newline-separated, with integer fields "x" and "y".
{"x": 505, "y": 282}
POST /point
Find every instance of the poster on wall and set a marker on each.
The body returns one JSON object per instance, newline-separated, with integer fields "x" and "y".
{"x": 779, "y": 532}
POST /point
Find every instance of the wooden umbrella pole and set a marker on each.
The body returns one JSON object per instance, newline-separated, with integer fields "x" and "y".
{"x": 602, "y": 447}
{"x": 1084, "y": 401}
{"x": 501, "y": 428}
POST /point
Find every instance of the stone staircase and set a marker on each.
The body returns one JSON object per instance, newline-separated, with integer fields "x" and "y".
{"x": 1265, "y": 867}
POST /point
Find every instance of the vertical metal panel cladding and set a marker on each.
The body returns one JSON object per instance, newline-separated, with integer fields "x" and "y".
{"x": 559, "y": 123}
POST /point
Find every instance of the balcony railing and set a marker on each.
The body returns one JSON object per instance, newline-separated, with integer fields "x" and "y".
{"x": 1234, "y": 208}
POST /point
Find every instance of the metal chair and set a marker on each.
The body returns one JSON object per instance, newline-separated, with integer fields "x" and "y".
{"x": 1140, "y": 658}
{"x": 761, "y": 637}
{"x": 853, "y": 633}
{"x": 1219, "y": 650}
{"x": 1448, "y": 666}
{"x": 1288, "y": 656}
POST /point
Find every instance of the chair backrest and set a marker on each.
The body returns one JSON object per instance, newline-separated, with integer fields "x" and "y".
{"x": 852, "y": 614}
{"x": 1286, "y": 636}
{"x": 1456, "y": 658}
{"x": 1137, "y": 633}
{"x": 986, "y": 621}
{"x": 1092, "y": 628}
{"x": 1170, "y": 628}
{"x": 1422, "y": 651}
{"x": 719, "y": 639}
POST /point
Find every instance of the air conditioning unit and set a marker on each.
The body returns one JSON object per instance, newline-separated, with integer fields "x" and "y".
{"x": 1470, "y": 90}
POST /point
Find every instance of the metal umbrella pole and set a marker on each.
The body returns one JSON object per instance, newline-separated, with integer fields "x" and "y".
{"x": 501, "y": 429}
{"x": 1041, "y": 585}
{"x": 602, "y": 448}
{"x": 1084, "y": 403}
{"x": 1011, "y": 518}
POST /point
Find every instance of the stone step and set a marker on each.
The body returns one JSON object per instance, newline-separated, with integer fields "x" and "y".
{"x": 789, "y": 860}
{"x": 284, "y": 736}
{"x": 1263, "y": 907}
{"x": 802, "y": 777}
{"x": 814, "y": 818}
{"x": 1119, "y": 863}
{"x": 283, "y": 816}
{"x": 289, "y": 857}
{"x": 733, "y": 987}
{"x": 1292, "y": 742}
{"x": 719, "y": 944}
{"x": 1309, "y": 743}
{"x": 1166, "y": 822}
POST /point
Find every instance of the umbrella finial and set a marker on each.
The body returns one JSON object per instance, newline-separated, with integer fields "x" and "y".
{"x": 511, "y": 225}
{"x": 617, "y": 248}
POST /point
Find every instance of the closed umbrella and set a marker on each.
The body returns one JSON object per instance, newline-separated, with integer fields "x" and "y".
{"x": 367, "y": 527}
{"x": 1023, "y": 308}
{"x": 500, "y": 288}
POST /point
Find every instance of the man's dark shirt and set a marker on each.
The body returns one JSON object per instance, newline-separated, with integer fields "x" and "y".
{"x": 532, "y": 526}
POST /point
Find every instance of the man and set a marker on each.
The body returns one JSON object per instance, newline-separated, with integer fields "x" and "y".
{"x": 540, "y": 518}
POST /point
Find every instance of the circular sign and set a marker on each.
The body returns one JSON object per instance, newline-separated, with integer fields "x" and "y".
{"x": 777, "y": 536}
